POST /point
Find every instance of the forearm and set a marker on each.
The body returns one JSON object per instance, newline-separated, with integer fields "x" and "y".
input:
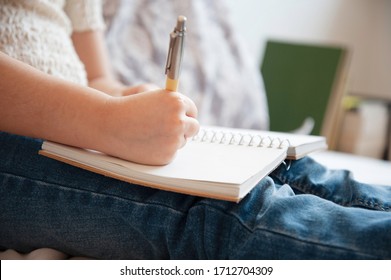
{"x": 91, "y": 48}
{"x": 38, "y": 105}
{"x": 147, "y": 127}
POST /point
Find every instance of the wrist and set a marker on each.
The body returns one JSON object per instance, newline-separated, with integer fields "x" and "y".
{"x": 106, "y": 125}
{"x": 98, "y": 123}
{"x": 82, "y": 119}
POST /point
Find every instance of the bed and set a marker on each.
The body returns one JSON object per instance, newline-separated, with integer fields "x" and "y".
{"x": 363, "y": 169}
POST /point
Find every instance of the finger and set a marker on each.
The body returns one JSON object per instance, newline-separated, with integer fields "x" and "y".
{"x": 190, "y": 107}
{"x": 192, "y": 127}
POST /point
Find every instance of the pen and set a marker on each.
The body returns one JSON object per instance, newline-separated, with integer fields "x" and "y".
{"x": 175, "y": 53}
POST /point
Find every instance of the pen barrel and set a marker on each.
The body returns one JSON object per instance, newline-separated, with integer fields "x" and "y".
{"x": 176, "y": 53}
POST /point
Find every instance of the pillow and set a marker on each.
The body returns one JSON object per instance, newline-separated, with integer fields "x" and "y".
{"x": 217, "y": 73}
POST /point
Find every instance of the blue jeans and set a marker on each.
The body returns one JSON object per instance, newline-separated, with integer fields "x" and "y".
{"x": 307, "y": 212}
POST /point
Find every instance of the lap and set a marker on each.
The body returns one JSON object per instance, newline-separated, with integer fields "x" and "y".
{"x": 46, "y": 203}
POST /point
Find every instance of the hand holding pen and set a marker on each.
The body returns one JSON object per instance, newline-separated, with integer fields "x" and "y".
{"x": 158, "y": 122}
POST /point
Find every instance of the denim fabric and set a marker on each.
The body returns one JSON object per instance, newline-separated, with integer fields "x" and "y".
{"x": 306, "y": 212}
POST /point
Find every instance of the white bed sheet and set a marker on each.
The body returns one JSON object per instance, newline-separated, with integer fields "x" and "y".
{"x": 364, "y": 169}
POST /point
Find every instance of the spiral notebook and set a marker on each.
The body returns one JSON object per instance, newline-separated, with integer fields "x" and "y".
{"x": 220, "y": 163}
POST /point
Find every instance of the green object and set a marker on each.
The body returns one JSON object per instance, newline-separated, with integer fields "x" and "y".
{"x": 299, "y": 80}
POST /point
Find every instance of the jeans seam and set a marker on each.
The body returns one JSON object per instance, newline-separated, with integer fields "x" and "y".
{"x": 283, "y": 234}
{"x": 369, "y": 205}
{"x": 358, "y": 202}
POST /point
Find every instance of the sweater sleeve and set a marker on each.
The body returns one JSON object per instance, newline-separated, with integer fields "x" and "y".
{"x": 85, "y": 14}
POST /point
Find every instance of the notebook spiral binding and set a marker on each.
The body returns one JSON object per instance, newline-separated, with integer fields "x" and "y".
{"x": 240, "y": 139}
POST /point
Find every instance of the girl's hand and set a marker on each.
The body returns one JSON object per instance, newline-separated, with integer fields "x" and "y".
{"x": 148, "y": 127}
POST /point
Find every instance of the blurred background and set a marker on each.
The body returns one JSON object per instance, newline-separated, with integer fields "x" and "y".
{"x": 363, "y": 28}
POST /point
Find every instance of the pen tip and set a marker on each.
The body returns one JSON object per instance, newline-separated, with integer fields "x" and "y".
{"x": 181, "y": 23}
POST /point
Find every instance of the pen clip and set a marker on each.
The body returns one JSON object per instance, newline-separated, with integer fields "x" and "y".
{"x": 175, "y": 51}
{"x": 169, "y": 55}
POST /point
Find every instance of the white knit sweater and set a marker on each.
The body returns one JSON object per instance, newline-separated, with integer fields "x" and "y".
{"x": 217, "y": 72}
{"x": 37, "y": 32}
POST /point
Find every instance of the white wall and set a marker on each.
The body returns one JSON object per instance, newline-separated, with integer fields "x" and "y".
{"x": 362, "y": 25}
